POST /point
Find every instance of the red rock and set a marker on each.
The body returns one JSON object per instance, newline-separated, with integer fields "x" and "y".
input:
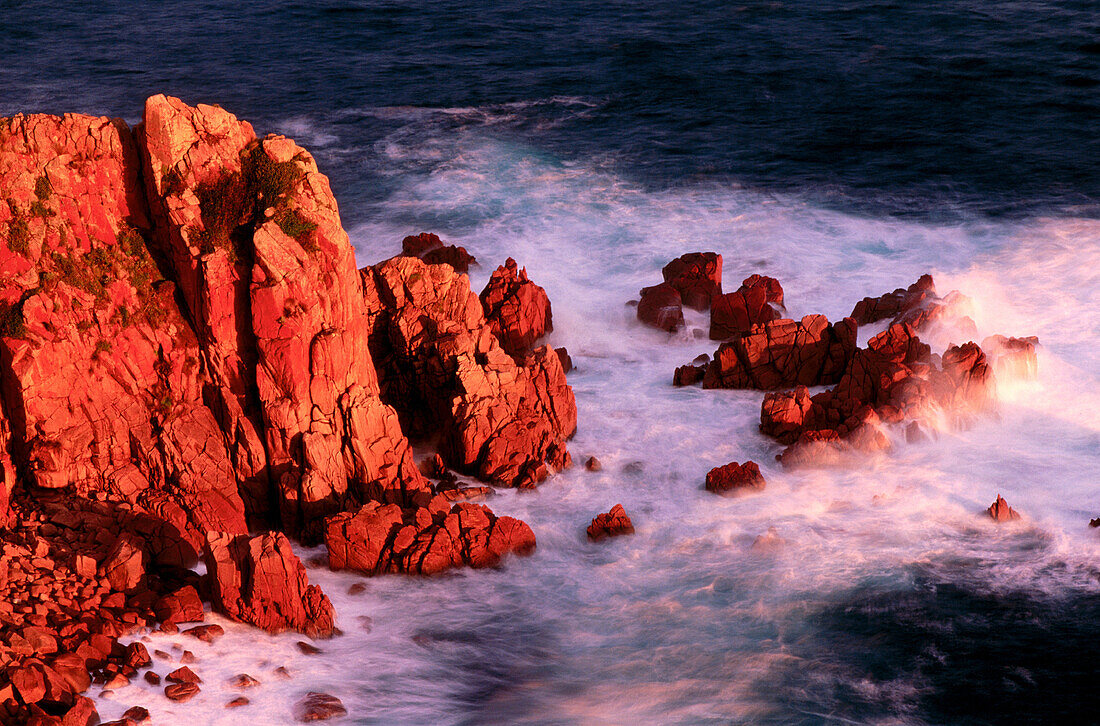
{"x": 181, "y": 691}
{"x": 770, "y": 541}
{"x": 660, "y": 307}
{"x": 243, "y": 681}
{"x": 179, "y": 606}
{"x": 137, "y": 714}
{"x": 872, "y": 309}
{"x": 784, "y": 353}
{"x": 137, "y": 656}
{"x": 205, "y": 633}
{"x": 208, "y": 636}
{"x": 183, "y": 675}
{"x": 152, "y": 678}
{"x": 379, "y": 539}
{"x": 783, "y": 414}
{"x": 237, "y": 702}
{"x": 697, "y": 276}
{"x": 308, "y": 648}
{"x": 593, "y": 464}
{"x": 444, "y": 370}
{"x": 737, "y": 312}
{"x": 815, "y": 448}
{"x": 517, "y": 310}
{"x": 566, "y": 361}
{"x": 318, "y": 707}
{"x": 999, "y": 511}
{"x": 688, "y": 375}
{"x": 100, "y": 357}
{"x": 259, "y": 580}
{"x": 734, "y": 478}
{"x": 125, "y": 564}
{"x": 431, "y": 249}
{"x": 610, "y": 524}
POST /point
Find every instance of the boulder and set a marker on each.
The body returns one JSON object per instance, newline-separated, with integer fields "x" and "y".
{"x": 379, "y": 539}
{"x": 660, "y": 307}
{"x": 125, "y": 564}
{"x": 318, "y": 707}
{"x": 697, "y": 276}
{"x": 179, "y": 606}
{"x": 430, "y": 248}
{"x": 610, "y": 524}
{"x": 754, "y": 303}
{"x": 735, "y": 478}
{"x": 517, "y": 310}
{"x": 259, "y": 580}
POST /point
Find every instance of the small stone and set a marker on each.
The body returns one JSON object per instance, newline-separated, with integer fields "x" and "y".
{"x": 152, "y": 678}
{"x": 999, "y": 511}
{"x": 187, "y": 657}
{"x": 357, "y": 589}
{"x": 206, "y": 633}
{"x": 237, "y": 702}
{"x": 593, "y": 464}
{"x": 282, "y": 672}
{"x": 183, "y": 675}
{"x": 242, "y": 681}
{"x": 181, "y": 691}
{"x": 308, "y": 648}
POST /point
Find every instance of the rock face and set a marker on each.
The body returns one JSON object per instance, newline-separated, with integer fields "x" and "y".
{"x": 259, "y": 580}
{"x": 892, "y": 304}
{"x": 431, "y": 249}
{"x": 754, "y": 303}
{"x": 734, "y": 478}
{"x": 102, "y": 376}
{"x": 784, "y": 353}
{"x": 443, "y": 367}
{"x": 660, "y": 307}
{"x": 254, "y": 236}
{"x": 697, "y": 276}
{"x": 517, "y": 310}
{"x": 383, "y": 538}
{"x": 610, "y": 524}
{"x": 999, "y": 511}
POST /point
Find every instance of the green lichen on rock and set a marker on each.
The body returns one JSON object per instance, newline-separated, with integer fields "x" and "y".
{"x": 294, "y": 224}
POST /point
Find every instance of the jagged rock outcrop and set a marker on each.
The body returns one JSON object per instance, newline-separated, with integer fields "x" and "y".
{"x": 443, "y": 368}
{"x": 697, "y": 276}
{"x": 517, "y": 310}
{"x": 259, "y": 580}
{"x": 431, "y": 249}
{"x": 735, "y": 478}
{"x": 384, "y": 538}
{"x": 754, "y": 303}
{"x": 784, "y": 353}
{"x": 999, "y": 511}
{"x": 892, "y": 304}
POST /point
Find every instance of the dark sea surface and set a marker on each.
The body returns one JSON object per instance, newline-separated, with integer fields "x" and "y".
{"x": 842, "y": 146}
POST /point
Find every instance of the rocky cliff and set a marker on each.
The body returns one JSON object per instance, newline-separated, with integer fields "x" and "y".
{"x": 192, "y": 364}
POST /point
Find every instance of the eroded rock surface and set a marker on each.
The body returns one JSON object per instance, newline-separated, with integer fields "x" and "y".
{"x": 517, "y": 310}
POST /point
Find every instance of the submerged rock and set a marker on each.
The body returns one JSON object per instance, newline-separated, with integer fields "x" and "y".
{"x": 318, "y": 707}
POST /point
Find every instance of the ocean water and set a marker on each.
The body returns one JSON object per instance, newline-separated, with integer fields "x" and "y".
{"x": 844, "y": 147}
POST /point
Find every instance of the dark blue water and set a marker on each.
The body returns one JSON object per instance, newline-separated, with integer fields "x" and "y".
{"x": 893, "y": 107}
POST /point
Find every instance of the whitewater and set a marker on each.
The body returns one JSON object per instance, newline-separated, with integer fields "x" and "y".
{"x": 886, "y": 596}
